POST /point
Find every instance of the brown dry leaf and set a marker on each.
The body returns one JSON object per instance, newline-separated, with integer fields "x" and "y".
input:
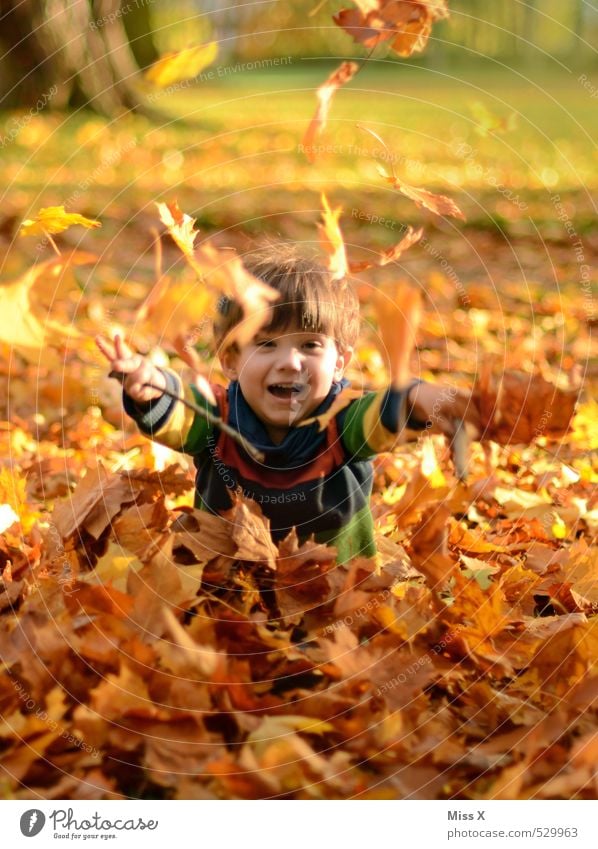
{"x": 565, "y": 658}
{"x": 156, "y": 588}
{"x": 301, "y": 582}
{"x": 332, "y": 241}
{"x": 390, "y": 254}
{"x": 140, "y": 529}
{"x": 339, "y": 77}
{"x": 516, "y": 407}
{"x": 96, "y": 500}
{"x": 438, "y": 204}
{"x": 250, "y": 530}
{"x": 429, "y": 547}
{"x": 407, "y": 22}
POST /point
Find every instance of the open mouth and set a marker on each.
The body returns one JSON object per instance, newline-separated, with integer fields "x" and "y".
{"x": 286, "y": 390}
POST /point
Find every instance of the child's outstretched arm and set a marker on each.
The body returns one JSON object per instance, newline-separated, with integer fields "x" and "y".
{"x": 138, "y": 371}
{"x": 443, "y": 407}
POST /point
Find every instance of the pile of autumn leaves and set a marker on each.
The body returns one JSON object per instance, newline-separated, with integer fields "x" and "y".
{"x": 150, "y": 651}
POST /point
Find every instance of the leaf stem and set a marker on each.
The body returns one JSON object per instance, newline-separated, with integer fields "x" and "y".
{"x": 215, "y": 421}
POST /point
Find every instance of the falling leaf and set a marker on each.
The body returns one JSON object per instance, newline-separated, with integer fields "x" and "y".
{"x": 398, "y": 311}
{"x": 181, "y": 64}
{"x": 407, "y": 22}
{"x": 438, "y": 204}
{"x": 28, "y": 308}
{"x": 390, "y": 254}
{"x": 332, "y": 241}
{"x": 345, "y": 397}
{"x": 54, "y": 219}
{"x": 345, "y": 72}
{"x": 180, "y": 226}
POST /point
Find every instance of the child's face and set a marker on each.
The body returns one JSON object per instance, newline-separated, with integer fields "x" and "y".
{"x": 285, "y": 375}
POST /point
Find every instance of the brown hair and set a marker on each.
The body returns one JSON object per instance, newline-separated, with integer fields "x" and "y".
{"x": 309, "y": 298}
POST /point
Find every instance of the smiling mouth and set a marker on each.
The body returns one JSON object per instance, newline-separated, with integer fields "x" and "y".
{"x": 287, "y": 390}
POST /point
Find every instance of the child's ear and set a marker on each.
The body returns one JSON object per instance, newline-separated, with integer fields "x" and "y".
{"x": 343, "y": 360}
{"x": 229, "y": 360}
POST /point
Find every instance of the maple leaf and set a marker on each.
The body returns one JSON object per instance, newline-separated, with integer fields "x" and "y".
{"x": 181, "y": 64}
{"x": 54, "y": 219}
{"x": 339, "y": 77}
{"x": 332, "y": 241}
{"x": 407, "y": 22}
{"x": 224, "y": 272}
{"x": 438, "y": 204}
{"x": 516, "y": 407}
{"x": 180, "y": 226}
{"x": 390, "y": 254}
{"x": 95, "y": 502}
{"x": 175, "y": 309}
{"x": 250, "y": 530}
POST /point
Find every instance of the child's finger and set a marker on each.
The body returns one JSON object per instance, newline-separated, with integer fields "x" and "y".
{"x": 123, "y": 351}
{"x": 106, "y": 348}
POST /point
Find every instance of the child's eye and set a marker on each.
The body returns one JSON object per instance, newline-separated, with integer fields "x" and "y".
{"x": 265, "y": 343}
{"x": 313, "y": 345}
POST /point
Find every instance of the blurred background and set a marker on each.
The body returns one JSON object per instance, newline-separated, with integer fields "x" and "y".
{"x": 498, "y": 112}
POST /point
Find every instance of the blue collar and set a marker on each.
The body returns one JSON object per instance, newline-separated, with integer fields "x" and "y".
{"x": 299, "y": 445}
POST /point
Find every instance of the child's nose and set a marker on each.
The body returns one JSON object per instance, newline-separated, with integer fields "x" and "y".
{"x": 291, "y": 358}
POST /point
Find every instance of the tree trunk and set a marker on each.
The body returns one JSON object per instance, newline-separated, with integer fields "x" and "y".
{"x": 78, "y": 53}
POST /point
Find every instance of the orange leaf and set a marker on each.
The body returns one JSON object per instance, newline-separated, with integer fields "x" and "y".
{"x": 345, "y": 397}
{"x": 407, "y": 22}
{"x": 325, "y": 92}
{"x": 390, "y": 254}
{"x": 399, "y": 313}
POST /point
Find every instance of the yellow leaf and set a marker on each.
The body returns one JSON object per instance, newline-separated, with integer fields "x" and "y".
{"x": 54, "y": 219}
{"x": 559, "y": 528}
{"x": 114, "y": 568}
{"x": 181, "y": 64}
{"x": 13, "y": 501}
{"x": 398, "y": 311}
{"x": 332, "y": 240}
{"x": 180, "y": 226}
{"x": 7, "y": 517}
{"x": 25, "y": 305}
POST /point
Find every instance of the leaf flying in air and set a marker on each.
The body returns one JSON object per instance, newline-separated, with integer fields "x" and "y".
{"x": 325, "y": 92}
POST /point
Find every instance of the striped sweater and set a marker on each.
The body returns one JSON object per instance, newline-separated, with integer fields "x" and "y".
{"x": 318, "y": 482}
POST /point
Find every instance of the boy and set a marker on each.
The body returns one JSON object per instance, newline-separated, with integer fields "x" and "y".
{"x": 319, "y": 482}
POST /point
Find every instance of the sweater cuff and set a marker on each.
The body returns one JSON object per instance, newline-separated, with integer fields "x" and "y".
{"x": 153, "y": 415}
{"x": 394, "y": 412}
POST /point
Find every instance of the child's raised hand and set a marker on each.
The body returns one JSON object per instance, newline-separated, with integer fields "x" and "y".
{"x": 135, "y": 371}
{"x": 444, "y": 407}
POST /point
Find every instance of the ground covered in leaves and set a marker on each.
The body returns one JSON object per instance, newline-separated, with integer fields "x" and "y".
{"x": 152, "y": 651}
